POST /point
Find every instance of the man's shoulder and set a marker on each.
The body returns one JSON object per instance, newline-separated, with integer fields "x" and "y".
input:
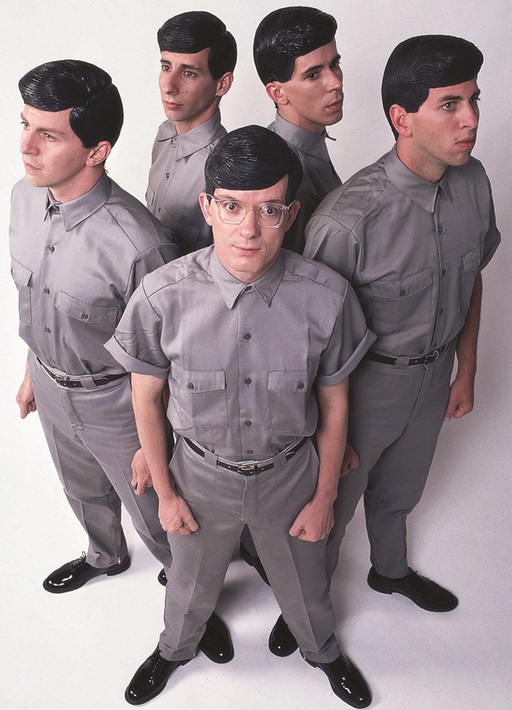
{"x": 173, "y": 274}
{"x": 22, "y": 190}
{"x": 315, "y": 274}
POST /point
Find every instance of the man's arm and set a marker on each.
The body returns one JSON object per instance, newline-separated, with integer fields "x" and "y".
{"x": 148, "y": 404}
{"x": 25, "y": 397}
{"x": 315, "y": 520}
{"x": 462, "y": 391}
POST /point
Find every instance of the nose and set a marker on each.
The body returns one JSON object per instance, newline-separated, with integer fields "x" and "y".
{"x": 169, "y": 82}
{"x": 27, "y": 143}
{"x": 249, "y": 226}
{"x": 335, "y": 80}
{"x": 470, "y": 115}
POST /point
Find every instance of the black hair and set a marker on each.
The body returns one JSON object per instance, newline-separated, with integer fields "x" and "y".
{"x": 191, "y": 32}
{"x": 252, "y": 158}
{"x": 426, "y": 62}
{"x": 286, "y": 34}
{"x": 95, "y": 103}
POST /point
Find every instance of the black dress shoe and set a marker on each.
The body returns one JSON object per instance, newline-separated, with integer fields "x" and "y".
{"x": 216, "y": 642}
{"x": 281, "y": 640}
{"x": 346, "y": 681}
{"x": 162, "y": 577}
{"x": 150, "y": 678}
{"x": 255, "y": 562}
{"x": 422, "y": 591}
{"x": 76, "y": 573}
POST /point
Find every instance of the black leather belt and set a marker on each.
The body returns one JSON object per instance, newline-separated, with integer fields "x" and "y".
{"x": 249, "y": 469}
{"x": 389, "y": 360}
{"x": 73, "y": 383}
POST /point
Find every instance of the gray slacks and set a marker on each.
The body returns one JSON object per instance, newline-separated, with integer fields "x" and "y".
{"x": 396, "y": 414}
{"x": 222, "y": 502}
{"x": 92, "y": 438}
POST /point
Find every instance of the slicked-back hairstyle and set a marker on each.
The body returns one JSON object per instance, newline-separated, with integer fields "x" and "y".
{"x": 426, "y": 62}
{"x": 286, "y": 34}
{"x": 96, "y": 106}
{"x": 252, "y": 158}
{"x": 191, "y": 32}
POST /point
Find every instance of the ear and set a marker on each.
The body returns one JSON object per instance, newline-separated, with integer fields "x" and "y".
{"x": 224, "y": 83}
{"x": 400, "y": 120}
{"x": 206, "y": 207}
{"x": 292, "y": 214}
{"x": 276, "y": 92}
{"x": 98, "y": 154}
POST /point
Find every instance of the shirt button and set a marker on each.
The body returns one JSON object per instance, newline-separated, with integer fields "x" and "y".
{"x": 247, "y": 380}
{"x": 167, "y": 175}
{"x": 249, "y": 452}
{"x": 247, "y": 336}
{"x": 51, "y": 249}
{"x": 440, "y": 230}
{"x": 248, "y": 422}
{"x": 84, "y": 316}
{"x": 190, "y": 385}
{"x": 443, "y": 272}
{"x": 48, "y": 329}
{"x": 300, "y": 385}
{"x": 434, "y": 345}
{"x": 402, "y": 292}
{"x": 47, "y": 290}
{"x": 441, "y": 311}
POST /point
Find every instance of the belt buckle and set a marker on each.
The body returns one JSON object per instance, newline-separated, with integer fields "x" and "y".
{"x": 246, "y": 469}
{"x": 62, "y": 380}
{"x": 432, "y": 357}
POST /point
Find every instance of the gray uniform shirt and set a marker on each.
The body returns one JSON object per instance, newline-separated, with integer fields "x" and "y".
{"x": 76, "y": 265}
{"x": 410, "y": 248}
{"x": 241, "y": 360}
{"x": 176, "y": 178}
{"x": 319, "y": 176}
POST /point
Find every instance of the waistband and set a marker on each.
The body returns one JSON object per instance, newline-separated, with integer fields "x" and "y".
{"x": 247, "y": 468}
{"x": 75, "y": 382}
{"x": 390, "y": 360}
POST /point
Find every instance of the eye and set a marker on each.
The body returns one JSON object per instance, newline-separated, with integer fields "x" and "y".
{"x": 474, "y": 100}
{"x": 48, "y": 136}
{"x": 165, "y": 67}
{"x": 312, "y": 75}
{"x": 231, "y": 206}
{"x": 189, "y": 74}
{"x": 449, "y": 105}
{"x": 268, "y": 211}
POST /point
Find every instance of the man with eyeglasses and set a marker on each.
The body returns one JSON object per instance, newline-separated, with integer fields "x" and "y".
{"x": 253, "y": 373}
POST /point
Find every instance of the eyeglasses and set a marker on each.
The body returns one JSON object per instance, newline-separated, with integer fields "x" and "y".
{"x": 268, "y": 214}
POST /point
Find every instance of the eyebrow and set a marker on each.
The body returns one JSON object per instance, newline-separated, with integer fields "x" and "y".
{"x": 336, "y": 58}
{"x": 42, "y": 129}
{"x": 182, "y": 66}
{"x": 457, "y": 97}
{"x": 275, "y": 201}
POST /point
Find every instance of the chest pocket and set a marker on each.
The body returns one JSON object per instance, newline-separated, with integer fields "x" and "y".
{"x": 288, "y": 397}
{"x": 470, "y": 265}
{"x": 87, "y": 325}
{"x": 22, "y": 277}
{"x": 397, "y": 305}
{"x": 198, "y": 401}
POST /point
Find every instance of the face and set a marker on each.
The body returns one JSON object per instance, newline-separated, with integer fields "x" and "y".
{"x": 442, "y": 132}
{"x": 248, "y": 250}
{"x": 53, "y": 155}
{"x": 313, "y": 96}
{"x": 189, "y": 93}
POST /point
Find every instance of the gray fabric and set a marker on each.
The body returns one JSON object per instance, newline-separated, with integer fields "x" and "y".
{"x": 176, "y": 178}
{"x": 319, "y": 176}
{"x": 241, "y": 360}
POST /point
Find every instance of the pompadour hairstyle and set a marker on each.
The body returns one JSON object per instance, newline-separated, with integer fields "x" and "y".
{"x": 286, "y": 34}
{"x": 95, "y": 103}
{"x": 426, "y": 62}
{"x": 191, "y": 32}
{"x": 252, "y": 158}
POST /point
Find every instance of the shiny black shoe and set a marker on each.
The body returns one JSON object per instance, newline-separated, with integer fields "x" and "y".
{"x": 216, "y": 642}
{"x": 281, "y": 641}
{"x": 346, "y": 681}
{"x": 162, "y": 577}
{"x": 150, "y": 679}
{"x": 422, "y": 591}
{"x": 76, "y": 573}
{"x": 254, "y": 561}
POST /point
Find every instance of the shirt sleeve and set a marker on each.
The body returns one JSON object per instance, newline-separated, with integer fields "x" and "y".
{"x": 333, "y": 244}
{"x": 136, "y": 343}
{"x": 492, "y": 238}
{"x": 348, "y": 344}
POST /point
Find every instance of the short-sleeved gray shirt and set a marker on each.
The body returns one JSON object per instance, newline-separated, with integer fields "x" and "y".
{"x": 319, "y": 176}
{"x": 76, "y": 266}
{"x": 410, "y": 248}
{"x": 241, "y": 360}
{"x": 176, "y": 178}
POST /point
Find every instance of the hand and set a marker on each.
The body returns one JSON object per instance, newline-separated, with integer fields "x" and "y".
{"x": 314, "y": 522}
{"x": 350, "y": 460}
{"x": 176, "y": 517}
{"x": 25, "y": 397}
{"x": 141, "y": 475}
{"x": 462, "y": 398}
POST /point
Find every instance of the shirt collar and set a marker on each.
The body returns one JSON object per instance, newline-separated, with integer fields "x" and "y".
{"x": 302, "y": 139}
{"x": 83, "y": 207}
{"x": 190, "y": 142}
{"x": 420, "y": 191}
{"x": 231, "y": 288}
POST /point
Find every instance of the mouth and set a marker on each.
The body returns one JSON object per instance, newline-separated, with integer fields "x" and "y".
{"x": 170, "y": 105}
{"x": 29, "y": 167}
{"x": 246, "y": 251}
{"x": 335, "y": 106}
{"x": 467, "y": 144}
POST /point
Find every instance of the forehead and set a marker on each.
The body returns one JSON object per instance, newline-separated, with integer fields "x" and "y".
{"x": 465, "y": 90}
{"x": 198, "y": 60}
{"x": 275, "y": 193}
{"x": 322, "y": 56}
{"x": 51, "y": 121}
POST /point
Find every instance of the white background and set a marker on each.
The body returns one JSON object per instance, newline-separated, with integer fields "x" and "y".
{"x": 80, "y": 650}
